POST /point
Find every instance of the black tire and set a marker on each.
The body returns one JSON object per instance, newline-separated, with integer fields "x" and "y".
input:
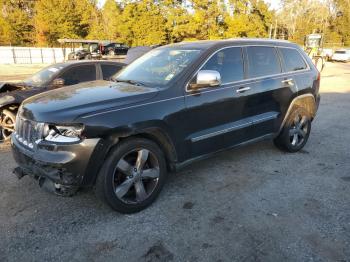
{"x": 110, "y": 177}
{"x": 10, "y": 118}
{"x": 292, "y": 128}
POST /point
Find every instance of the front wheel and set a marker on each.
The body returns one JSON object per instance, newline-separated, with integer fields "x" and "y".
{"x": 295, "y": 132}
{"x": 132, "y": 176}
{"x": 7, "y": 124}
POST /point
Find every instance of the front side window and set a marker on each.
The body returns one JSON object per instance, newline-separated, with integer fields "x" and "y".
{"x": 228, "y": 62}
{"x": 159, "y": 66}
{"x": 262, "y": 61}
{"x": 292, "y": 59}
{"x": 78, "y": 74}
{"x": 43, "y": 76}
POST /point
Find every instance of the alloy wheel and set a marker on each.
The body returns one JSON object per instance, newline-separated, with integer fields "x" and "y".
{"x": 7, "y": 125}
{"x": 136, "y": 176}
{"x": 299, "y": 130}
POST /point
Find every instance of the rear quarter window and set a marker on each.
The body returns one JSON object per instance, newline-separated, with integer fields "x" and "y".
{"x": 262, "y": 61}
{"x": 292, "y": 59}
{"x": 109, "y": 70}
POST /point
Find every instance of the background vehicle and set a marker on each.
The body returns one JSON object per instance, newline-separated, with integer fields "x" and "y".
{"x": 314, "y": 48}
{"x": 173, "y": 105}
{"x": 83, "y": 54}
{"x": 91, "y": 49}
{"x": 112, "y": 49}
{"x": 51, "y": 77}
{"x": 341, "y": 55}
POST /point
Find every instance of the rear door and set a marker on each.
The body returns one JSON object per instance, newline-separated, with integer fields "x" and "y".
{"x": 296, "y": 68}
{"x": 270, "y": 90}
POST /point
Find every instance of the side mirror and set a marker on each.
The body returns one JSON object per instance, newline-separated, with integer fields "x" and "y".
{"x": 206, "y": 78}
{"x": 58, "y": 82}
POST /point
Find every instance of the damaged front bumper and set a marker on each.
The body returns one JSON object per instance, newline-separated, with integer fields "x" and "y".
{"x": 59, "y": 168}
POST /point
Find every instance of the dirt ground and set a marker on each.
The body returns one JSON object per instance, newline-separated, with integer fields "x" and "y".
{"x": 253, "y": 203}
{"x": 18, "y": 72}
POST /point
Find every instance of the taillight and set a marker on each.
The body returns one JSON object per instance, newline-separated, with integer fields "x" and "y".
{"x": 319, "y": 76}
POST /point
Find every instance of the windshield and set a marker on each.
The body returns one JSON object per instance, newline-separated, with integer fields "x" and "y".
{"x": 158, "y": 66}
{"x": 43, "y": 76}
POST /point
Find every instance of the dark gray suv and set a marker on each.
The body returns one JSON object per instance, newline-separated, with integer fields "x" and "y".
{"x": 175, "y": 104}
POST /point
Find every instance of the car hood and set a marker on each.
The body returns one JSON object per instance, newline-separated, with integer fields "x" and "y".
{"x": 67, "y": 104}
{"x": 9, "y": 87}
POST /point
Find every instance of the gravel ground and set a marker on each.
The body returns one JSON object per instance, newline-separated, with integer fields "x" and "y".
{"x": 254, "y": 203}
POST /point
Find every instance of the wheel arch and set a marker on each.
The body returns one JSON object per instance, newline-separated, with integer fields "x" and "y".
{"x": 306, "y": 101}
{"x": 154, "y": 134}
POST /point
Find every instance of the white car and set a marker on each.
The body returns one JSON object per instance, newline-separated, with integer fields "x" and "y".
{"x": 342, "y": 55}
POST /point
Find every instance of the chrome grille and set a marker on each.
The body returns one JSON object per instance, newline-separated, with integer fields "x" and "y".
{"x": 27, "y": 132}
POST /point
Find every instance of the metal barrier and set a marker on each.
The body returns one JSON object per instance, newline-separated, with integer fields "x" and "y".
{"x": 31, "y": 55}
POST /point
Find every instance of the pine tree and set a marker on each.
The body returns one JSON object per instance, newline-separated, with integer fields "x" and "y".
{"x": 62, "y": 19}
{"x": 16, "y": 22}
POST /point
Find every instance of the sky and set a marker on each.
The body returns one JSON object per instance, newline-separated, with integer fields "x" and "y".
{"x": 274, "y": 3}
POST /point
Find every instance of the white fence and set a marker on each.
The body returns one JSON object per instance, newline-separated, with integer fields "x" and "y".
{"x": 31, "y": 55}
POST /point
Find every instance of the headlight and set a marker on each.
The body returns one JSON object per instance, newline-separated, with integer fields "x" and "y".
{"x": 63, "y": 134}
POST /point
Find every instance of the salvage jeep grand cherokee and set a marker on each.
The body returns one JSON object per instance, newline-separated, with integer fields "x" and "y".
{"x": 175, "y": 104}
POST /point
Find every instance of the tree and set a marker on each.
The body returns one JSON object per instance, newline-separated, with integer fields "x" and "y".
{"x": 207, "y": 19}
{"x": 142, "y": 24}
{"x": 247, "y": 19}
{"x": 62, "y": 19}
{"x": 303, "y": 17}
{"x": 16, "y": 22}
{"x": 177, "y": 19}
{"x": 342, "y": 20}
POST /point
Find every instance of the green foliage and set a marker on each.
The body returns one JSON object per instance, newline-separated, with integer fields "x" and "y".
{"x": 149, "y": 22}
{"x": 56, "y": 19}
{"x": 303, "y": 17}
{"x": 16, "y": 21}
{"x": 342, "y": 20}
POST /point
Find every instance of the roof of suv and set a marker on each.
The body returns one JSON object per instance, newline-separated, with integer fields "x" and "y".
{"x": 204, "y": 44}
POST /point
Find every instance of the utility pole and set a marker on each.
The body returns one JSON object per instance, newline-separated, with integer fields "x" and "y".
{"x": 270, "y": 31}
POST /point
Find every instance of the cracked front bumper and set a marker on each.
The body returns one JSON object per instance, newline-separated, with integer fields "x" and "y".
{"x": 64, "y": 164}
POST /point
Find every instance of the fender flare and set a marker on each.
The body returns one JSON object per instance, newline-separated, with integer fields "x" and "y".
{"x": 306, "y": 101}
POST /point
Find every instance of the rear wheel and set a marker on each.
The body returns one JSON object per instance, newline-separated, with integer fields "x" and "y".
{"x": 132, "y": 176}
{"x": 295, "y": 132}
{"x": 7, "y": 124}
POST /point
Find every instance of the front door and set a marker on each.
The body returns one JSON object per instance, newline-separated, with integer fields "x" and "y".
{"x": 215, "y": 114}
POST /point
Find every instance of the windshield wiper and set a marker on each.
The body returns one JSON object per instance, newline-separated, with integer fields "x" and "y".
{"x": 133, "y": 82}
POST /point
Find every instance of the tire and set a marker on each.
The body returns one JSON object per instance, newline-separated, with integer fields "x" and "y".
{"x": 7, "y": 118}
{"x": 295, "y": 132}
{"x": 119, "y": 181}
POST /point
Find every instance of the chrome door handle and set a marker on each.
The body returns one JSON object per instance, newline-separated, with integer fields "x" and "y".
{"x": 288, "y": 81}
{"x": 243, "y": 89}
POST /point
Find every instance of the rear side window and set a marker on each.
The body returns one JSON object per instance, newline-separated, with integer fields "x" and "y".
{"x": 262, "y": 61}
{"x": 292, "y": 59}
{"x": 109, "y": 70}
{"x": 78, "y": 74}
{"x": 228, "y": 62}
